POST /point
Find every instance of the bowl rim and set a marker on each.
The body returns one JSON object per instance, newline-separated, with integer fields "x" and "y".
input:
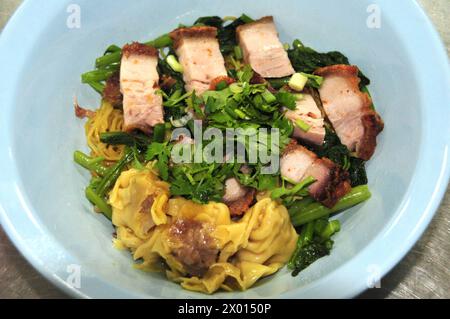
{"x": 12, "y": 199}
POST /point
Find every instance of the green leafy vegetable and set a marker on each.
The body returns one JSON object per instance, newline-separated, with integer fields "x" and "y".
{"x": 314, "y": 242}
{"x": 287, "y": 99}
{"x": 308, "y": 255}
{"x": 338, "y": 153}
{"x": 160, "y": 152}
{"x": 307, "y": 60}
{"x": 299, "y": 189}
{"x": 226, "y": 32}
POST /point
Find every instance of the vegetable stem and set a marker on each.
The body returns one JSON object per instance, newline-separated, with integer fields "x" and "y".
{"x": 123, "y": 138}
{"x": 97, "y": 86}
{"x": 113, "y": 174}
{"x": 116, "y": 55}
{"x": 108, "y": 59}
{"x": 316, "y": 210}
{"x": 97, "y": 75}
{"x": 99, "y": 202}
{"x": 92, "y": 164}
{"x": 160, "y": 42}
{"x": 330, "y": 229}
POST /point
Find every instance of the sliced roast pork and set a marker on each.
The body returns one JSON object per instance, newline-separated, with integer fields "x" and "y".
{"x": 237, "y": 197}
{"x": 308, "y": 112}
{"x": 349, "y": 109}
{"x": 199, "y": 53}
{"x": 332, "y": 182}
{"x": 142, "y": 107}
{"x": 263, "y": 50}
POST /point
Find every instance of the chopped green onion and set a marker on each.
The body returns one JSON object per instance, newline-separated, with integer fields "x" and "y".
{"x": 238, "y": 52}
{"x": 269, "y": 97}
{"x": 236, "y": 88}
{"x": 174, "y": 64}
{"x": 286, "y": 46}
{"x": 241, "y": 114}
{"x": 298, "y": 81}
{"x": 305, "y": 127}
{"x": 299, "y": 96}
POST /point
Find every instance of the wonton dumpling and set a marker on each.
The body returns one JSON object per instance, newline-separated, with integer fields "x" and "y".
{"x": 132, "y": 199}
{"x": 203, "y": 248}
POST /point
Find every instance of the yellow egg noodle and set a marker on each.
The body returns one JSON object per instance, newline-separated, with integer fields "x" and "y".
{"x": 253, "y": 247}
{"x": 106, "y": 119}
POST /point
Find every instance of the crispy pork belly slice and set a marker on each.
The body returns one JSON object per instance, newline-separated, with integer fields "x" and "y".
{"x": 295, "y": 162}
{"x": 142, "y": 107}
{"x": 263, "y": 50}
{"x": 332, "y": 183}
{"x": 238, "y": 198}
{"x": 298, "y": 163}
{"x": 112, "y": 93}
{"x": 199, "y": 53}
{"x": 308, "y": 111}
{"x": 349, "y": 109}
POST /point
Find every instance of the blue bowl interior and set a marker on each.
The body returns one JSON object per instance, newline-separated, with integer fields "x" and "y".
{"x": 44, "y": 133}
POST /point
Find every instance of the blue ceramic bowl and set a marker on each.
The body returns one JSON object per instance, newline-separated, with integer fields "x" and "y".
{"x": 43, "y": 208}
